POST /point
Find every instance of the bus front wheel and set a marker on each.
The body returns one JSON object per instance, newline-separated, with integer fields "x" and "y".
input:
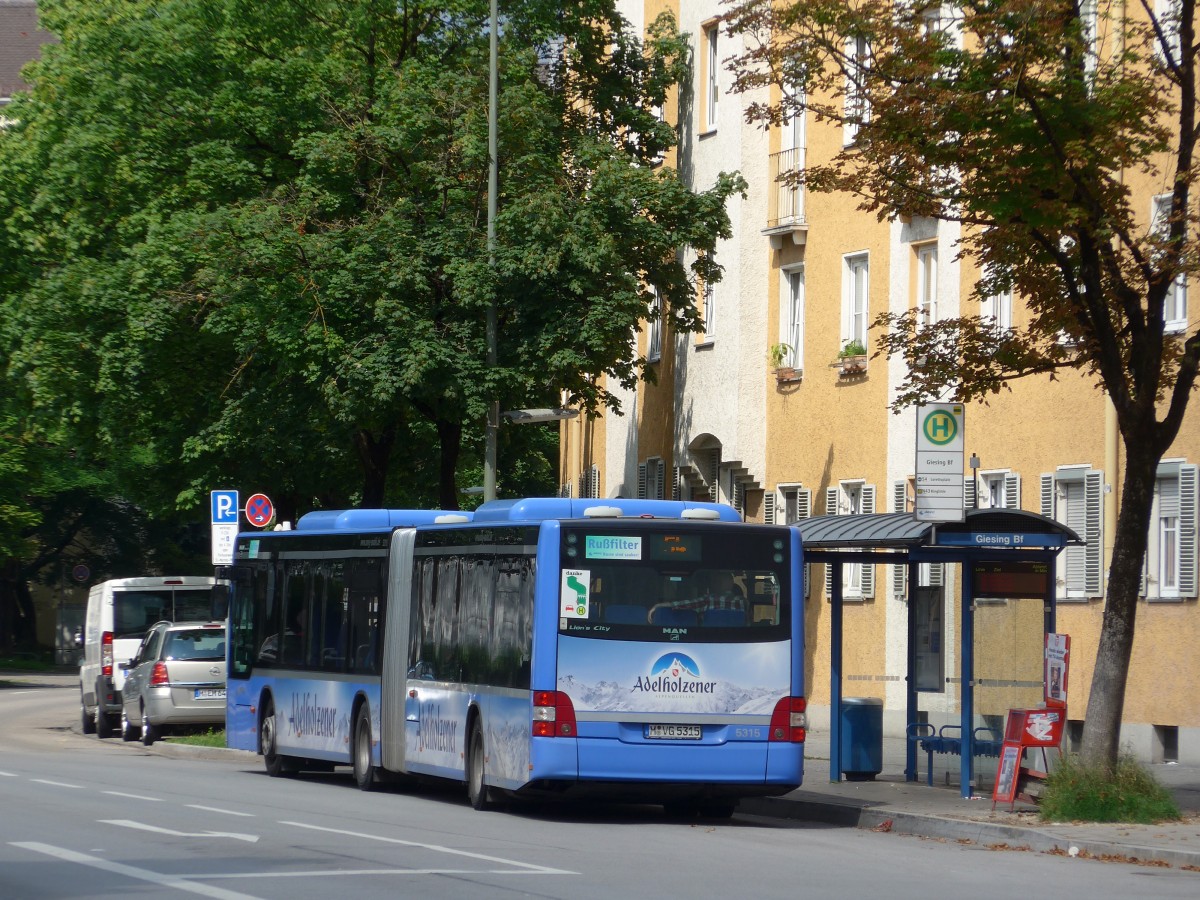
{"x": 277, "y": 764}
{"x": 477, "y": 790}
{"x": 365, "y": 773}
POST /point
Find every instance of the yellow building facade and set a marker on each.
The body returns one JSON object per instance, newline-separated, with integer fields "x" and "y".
{"x": 765, "y": 413}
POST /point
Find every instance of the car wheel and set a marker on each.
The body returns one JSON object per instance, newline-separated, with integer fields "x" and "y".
{"x": 365, "y": 774}
{"x": 88, "y": 720}
{"x": 104, "y": 725}
{"x": 129, "y": 731}
{"x": 150, "y": 731}
{"x": 478, "y": 791}
{"x": 277, "y": 764}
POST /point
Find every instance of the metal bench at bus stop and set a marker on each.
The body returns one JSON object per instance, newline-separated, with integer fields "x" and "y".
{"x": 948, "y": 740}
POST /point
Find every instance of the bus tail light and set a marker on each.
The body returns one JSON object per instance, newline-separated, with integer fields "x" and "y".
{"x": 789, "y": 720}
{"x": 106, "y": 654}
{"x": 158, "y": 677}
{"x": 553, "y": 714}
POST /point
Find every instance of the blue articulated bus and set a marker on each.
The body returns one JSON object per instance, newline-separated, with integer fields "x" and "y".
{"x": 640, "y": 650}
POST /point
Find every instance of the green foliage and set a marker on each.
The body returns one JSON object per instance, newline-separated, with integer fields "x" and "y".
{"x": 1078, "y": 792}
{"x": 852, "y": 348}
{"x": 777, "y": 354}
{"x": 245, "y": 247}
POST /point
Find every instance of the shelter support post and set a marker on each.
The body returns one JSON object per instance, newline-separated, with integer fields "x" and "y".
{"x": 835, "y": 673}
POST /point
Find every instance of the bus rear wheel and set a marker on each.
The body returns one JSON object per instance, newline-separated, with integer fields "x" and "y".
{"x": 478, "y": 791}
{"x": 366, "y": 776}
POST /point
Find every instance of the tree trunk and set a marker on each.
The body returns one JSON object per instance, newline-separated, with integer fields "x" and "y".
{"x": 374, "y": 455}
{"x": 450, "y": 443}
{"x": 1102, "y": 723}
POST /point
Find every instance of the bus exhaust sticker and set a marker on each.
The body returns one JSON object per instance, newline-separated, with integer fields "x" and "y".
{"x": 576, "y": 588}
{"x": 600, "y": 547}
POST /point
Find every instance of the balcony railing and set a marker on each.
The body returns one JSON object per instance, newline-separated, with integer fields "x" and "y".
{"x": 786, "y": 202}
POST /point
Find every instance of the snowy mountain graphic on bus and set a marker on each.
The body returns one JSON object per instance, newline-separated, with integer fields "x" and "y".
{"x": 675, "y": 665}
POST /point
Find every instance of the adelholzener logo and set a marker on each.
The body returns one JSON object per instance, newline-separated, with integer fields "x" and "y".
{"x": 674, "y": 673}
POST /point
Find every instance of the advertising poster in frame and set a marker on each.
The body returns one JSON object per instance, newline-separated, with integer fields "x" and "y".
{"x": 1057, "y": 663}
{"x": 1006, "y": 773}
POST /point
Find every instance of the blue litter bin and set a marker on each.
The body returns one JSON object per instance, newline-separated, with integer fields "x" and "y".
{"x": 862, "y": 738}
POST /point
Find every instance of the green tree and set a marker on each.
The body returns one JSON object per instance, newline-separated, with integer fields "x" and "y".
{"x": 1015, "y": 119}
{"x": 253, "y": 233}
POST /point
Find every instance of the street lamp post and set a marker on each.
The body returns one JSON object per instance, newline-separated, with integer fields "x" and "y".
{"x": 493, "y": 416}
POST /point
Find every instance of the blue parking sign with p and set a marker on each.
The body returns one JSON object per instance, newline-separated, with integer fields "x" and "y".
{"x": 224, "y": 507}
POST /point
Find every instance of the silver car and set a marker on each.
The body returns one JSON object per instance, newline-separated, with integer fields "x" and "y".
{"x": 176, "y": 678}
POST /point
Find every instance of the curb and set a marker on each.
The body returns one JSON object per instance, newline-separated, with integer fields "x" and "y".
{"x": 986, "y": 834}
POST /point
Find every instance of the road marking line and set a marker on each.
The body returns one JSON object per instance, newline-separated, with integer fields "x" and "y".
{"x": 228, "y": 812}
{"x": 170, "y": 881}
{"x": 339, "y": 873}
{"x": 435, "y": 847}
{"x": 139, "y": 826}
{"x": 77, "y": 787}
{"x": 9, "y": 774}
{"x": 133, "y": 796}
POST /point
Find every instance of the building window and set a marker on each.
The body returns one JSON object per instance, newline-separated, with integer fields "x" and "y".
{"x": 1167, "y": 12}
{"x": 710, "y": 309}
{"x": 654, "y": 331}
{"x": 1170, "y": 569}
{"x": 651, "y": 479}
{"x": 1175, "y": 311}
{"x": 927, "y": 311}
{"x": 712, "y": 84}
{"x": 851, "y": 498}
{"x": 787, "y": 506}
{"x": 792, "y": 318}
{"x": 1074, "y": 496}
{"x": 999, "y": 490}
{"x": 855, "y": 307}
{"x": 997, "y": 308}
{"x": 856, "y": 106}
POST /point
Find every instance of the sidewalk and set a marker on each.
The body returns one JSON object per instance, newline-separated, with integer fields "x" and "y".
{"x": 889, "y": 803}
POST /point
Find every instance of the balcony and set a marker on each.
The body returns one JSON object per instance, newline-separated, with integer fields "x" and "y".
{"x": 785, "y": 210}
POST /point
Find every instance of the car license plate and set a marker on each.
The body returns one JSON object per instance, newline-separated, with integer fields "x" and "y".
{"x": 210, "y": 693}
{"x": 673, "y": 732}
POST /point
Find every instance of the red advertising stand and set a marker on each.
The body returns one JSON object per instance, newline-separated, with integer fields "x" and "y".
{"x": 1037, "y": 729}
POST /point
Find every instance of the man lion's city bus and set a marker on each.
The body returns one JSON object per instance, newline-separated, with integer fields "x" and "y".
{"x": 639, "y": 650}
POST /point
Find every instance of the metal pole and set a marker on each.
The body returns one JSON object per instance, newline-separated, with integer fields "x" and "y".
{"x": 493, "y": 416}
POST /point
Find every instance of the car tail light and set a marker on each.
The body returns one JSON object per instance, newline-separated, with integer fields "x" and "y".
{"x": 106, "y": 654}
{"x": 553, "y": 714}
{"x": 789, "y": 720}
{"x": 159, "y": 675}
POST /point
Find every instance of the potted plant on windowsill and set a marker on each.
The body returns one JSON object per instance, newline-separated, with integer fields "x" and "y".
{"x": 852, "y": 360}
{"x": 776, "y": 355}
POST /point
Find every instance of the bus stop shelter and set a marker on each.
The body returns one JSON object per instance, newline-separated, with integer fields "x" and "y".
{"x": 999, "y": 550}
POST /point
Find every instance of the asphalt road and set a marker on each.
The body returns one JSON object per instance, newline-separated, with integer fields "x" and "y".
{"x": 80, "y": 817}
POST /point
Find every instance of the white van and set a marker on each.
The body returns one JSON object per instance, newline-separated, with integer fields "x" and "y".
{"x": 119, "y": 613}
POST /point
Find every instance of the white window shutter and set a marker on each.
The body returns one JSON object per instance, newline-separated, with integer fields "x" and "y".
{"x": 769, "y": 507}
{"x": 714, "y": 475}
{"x": 1187, "y": 531}
{"x": 594, "y": 482}
{"x": 676, "y": 483}
{"x": 661, "y": 480}
{"x": 641, "y": 489}
{"x": 969, "y": 501}
{"x": 937, "y": 574}
{"x": 1093, "y": 493}
{"x": 1048, "y": 496}
{"x": 831, "y": 509}
{"x": 1012, "y": 491}
{"x": 868, "y": 569}
{"x": 804, "y": 511}
{"x": 899, "y": 572}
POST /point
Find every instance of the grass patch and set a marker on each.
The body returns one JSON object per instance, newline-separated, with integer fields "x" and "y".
{"x": 1079, "y": 793}
{"x": 214, "y": 737}
{"x": 25, "y": 662}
